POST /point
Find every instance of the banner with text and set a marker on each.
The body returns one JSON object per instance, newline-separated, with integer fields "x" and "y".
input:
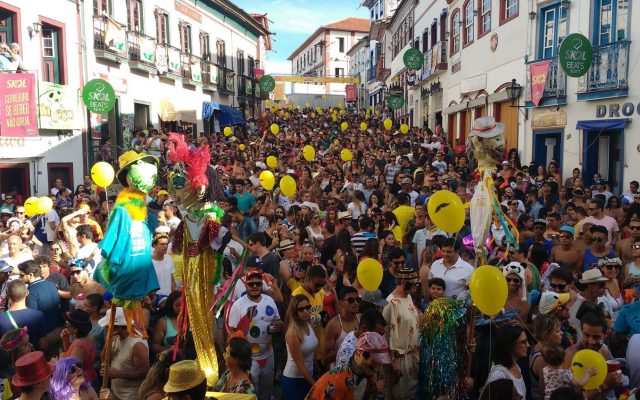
{"x": 278, "y": 92}
{"x": 58, "y": 107}
{"x": 539, "y": 73}
{"x": 18, "y": 105}
{"x": 351, "y": 93}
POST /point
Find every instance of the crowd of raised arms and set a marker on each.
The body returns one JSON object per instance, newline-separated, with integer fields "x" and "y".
{"x": 299, "y": 323}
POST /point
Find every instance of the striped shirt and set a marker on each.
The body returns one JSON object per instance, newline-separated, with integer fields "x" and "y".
{"x": 359, "y": 239}
{"x": 390, "y": 172}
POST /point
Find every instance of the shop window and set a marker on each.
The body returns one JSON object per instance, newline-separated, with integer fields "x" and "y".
{"x": 509, "y": 9}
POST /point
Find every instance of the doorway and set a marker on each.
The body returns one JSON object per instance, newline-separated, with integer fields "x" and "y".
{"x": 15, "y": 178}
{"x": 547, "y": 146}
{"x": 63, "y": 171}
{"x": 603, "y": 153}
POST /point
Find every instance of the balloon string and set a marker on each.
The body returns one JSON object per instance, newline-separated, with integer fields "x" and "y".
{"x": 106, "y": 198}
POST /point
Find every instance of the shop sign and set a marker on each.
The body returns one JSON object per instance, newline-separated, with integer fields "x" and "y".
{"x": 18, "y": 105}
{"x": 188, "y": 11}
{"x": 58, "y": 107}
{"x": 98, "y": 96}
{"x": 616, "y": 110}
{"x": 267, "y": 83}
{"x": 576, "y": 55}
{"x": 395, "y": 102}
{"x": 413, "y": 59}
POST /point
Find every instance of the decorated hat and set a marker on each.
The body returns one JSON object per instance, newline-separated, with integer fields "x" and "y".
{"x": 486, "y": 127}
{"x": 129, "y": 158}
{"x": 286, "y": 244}
{"x": 376, "y": 345}
{"x": 407, "y": 273}
{"x": 32, "y": 368}
{"x": 517, "y": 268}
{"x": 344, "y": 215}
{"x": 184, "y": 375}
{"x": 549, "y": 301}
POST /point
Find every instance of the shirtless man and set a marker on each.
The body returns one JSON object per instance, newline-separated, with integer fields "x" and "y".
{"x": 623, "y": 247}
{"x": 514, "y": 273}
{"x": 566, "y": 252}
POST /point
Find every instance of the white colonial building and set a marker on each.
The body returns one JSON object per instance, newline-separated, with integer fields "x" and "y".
{"x": 324, "y": 54}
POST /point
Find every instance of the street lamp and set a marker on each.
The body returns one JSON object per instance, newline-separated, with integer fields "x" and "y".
{"x": 514, "y": 90}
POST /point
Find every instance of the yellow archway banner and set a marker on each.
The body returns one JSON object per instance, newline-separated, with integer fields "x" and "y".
{"x": 315, "y": 79}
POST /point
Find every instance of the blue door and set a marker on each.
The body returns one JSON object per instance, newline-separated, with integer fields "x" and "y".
{"x": 547, "y": 146}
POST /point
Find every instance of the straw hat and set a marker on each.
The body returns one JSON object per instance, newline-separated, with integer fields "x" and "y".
{"x": 184, "y": 375}
{"x": 486, "y": 127}
{"x": 129, "y": 158}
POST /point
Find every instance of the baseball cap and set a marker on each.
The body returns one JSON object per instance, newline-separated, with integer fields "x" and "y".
{"x": 376, "y": 345}
{"x": 567, "y": 228}
{"x": 161, "y": 192}
{"x": 119, "y": 319}
{"x": 578, "y": 192}
{"x": 4, "y": 267}
{"x": 406, "y": 180}
{"x": 540, "y": 221}
{"x": 374, "y": 297}
{"x": 253, "y": 272}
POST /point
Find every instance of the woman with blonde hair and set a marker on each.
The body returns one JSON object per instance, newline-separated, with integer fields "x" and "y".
{"x": 297, "y": 377}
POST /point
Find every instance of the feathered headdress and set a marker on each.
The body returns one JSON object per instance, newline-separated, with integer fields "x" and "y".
{"x": 195, "y": 162}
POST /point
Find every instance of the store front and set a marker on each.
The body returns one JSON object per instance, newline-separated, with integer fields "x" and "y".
{"x": 547, "y": 146}
{"x": 603, "y": 152}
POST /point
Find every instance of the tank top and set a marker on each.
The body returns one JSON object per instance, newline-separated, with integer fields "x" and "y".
{"x": 121, "y": 360}
{"x": 307, "y": 349}
{"x": 340, "y": 338}
{"x": 170, "y": 333}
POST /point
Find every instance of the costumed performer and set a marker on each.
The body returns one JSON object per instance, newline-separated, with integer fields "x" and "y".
{"x": 127, "y": 269}
{"x": 200, "y": 239}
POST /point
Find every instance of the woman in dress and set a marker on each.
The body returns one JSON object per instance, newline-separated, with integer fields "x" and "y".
{"x": 297, "y": 377}
{"x": 237, "y": 358}
{"x": 314, "y": 231}
{"x": 166, "y": 329}
{"x": 83, "y": 347}
{"x": 357, "y": 207}
{"x": 402, "y": 334}
{"x": 69, "y": 383}
{"x": 510, "y": 344}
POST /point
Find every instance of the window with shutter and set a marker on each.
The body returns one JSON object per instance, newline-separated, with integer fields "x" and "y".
{"x": 134, "y": 15}
{"x": 162, "y": 23}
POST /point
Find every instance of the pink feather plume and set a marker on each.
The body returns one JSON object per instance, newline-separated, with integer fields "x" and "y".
{"x": 178, "y": 148}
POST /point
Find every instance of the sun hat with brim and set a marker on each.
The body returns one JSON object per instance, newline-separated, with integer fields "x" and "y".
{"x": 286, "y": 244}
{"x": 6, "y": 210}
{"x": 184, "y": 375}
{"x": 486, "y": 127}
{"x": 32, "y": 368}
{"x": 374, "y": 344}
{"x": 407, "y": 274}
{"x": 592, "y": 276}
{"x": 127, "y": 159}
{"x": 119, "y": 319}
{"x": 374, "y": 297}
{"x": 550, "y": 301}
{"x": 344, "y": 215}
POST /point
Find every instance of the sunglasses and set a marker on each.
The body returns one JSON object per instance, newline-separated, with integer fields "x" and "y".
{"x": 254, "y": 284}
{"x": 8, "y": 198}
{"x": 353, "y": 300}
{"x": 558, "y": 287}
{"x": 304, "y": 308}
{"x": 636, "y": 247}
{"x": 75, "y": 368}
{"x": 598, "y": 239}
{"x": 592, "y": 209}
{"x": 612, "y": 267}
{"x": 565, "y": 236}
{"x": 635, "y": 227}
{"x": 319, "y": 285}
{"x": 516, "y": 281}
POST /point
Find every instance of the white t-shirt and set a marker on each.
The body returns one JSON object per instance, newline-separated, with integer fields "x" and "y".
{"x": 173, "y": 222}
{"x": 253, "y": 319}
{"x": 14, "y": 262}
{"x": 164, "y": 272}
{"x": 240, "y": 289}
{"x": 355, "y": 212}
{"x": 51, "y": 216}
{"x": 456, "y": 278}
{"x": 85, "y": 251}
{"x": 422, "y": 235}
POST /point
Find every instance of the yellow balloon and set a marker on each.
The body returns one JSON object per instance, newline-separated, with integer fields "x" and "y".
{"x": 227, "y": 131}
{"x": 281, "y": 113}
{"x": 275, "y": 107}
{"x": 242, "y": 147}
{"x": 346, "y": 155}
{"x": 363, "y": 126}
{"x": 309, "y": 152}
{"x": 488, "y": 289}
{"x": 589, "y": 359}
{"x": 272, "y": 161}
{"x": 387, "y": 123}
{"x": 320, "y": 111}
{"x": 307, "y": 105}
{"x": 267, "y": 180}
{"x": 44, "y": 204}
{"x": 344, "y": 126}
{"x": 369, "y": 274}
{"x": 288, "y": 186}
{"x": 102, "y": 174}
{"x": 31, "y": 206}
{"x": 267, "y": 102}
{"x": 274, "y": 128}
{"x": 286, "y": 115}
{"x": 366, "y": 115}
{"x": 446, "y": 211}
{"x": 404, "y": 128}
{"x": 377, "y": 113}
{"x": 313, "y": 115}
{"x": 334, "y": 117}
{"x": 290, "y": 106}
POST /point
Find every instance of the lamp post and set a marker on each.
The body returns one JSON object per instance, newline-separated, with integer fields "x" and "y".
{"x": 514, "y": 90}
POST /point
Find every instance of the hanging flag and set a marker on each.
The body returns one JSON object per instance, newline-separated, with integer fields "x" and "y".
{"x": 539, "y": 73}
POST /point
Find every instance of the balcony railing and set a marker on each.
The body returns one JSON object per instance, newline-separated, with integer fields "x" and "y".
{"x": 109, "y": 38}
{"x": 556, "y": 84}
{"x": 209, "y": 74}
{"x": 142, "y": 48}
{"x": 226, "y": 80}
{"x": 190, "y": 68}
{"x": 371, "y": 74}
{"x": 245, "y": 86}
{"x": 609, "y": 69}
{"x": 435, "y": 60}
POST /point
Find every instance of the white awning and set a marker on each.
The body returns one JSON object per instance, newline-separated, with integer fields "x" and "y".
{"x": 168, "y": 113}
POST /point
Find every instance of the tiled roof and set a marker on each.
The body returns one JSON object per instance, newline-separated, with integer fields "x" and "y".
{"x": 350, "y": 24}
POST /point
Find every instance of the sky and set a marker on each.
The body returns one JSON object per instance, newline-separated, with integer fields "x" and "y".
{"x": 293, "y": 21}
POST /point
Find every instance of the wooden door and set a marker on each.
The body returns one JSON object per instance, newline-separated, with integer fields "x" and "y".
{"x": 509, "y": 117}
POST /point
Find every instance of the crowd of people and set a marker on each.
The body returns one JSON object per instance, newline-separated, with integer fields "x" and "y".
{"x": 299, "y": 324}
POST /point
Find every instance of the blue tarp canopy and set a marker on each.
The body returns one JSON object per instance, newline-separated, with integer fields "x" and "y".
{"x": 207, "y": 109}
{"x": 602, "y": 124}
{"x": 229, "y": 116}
